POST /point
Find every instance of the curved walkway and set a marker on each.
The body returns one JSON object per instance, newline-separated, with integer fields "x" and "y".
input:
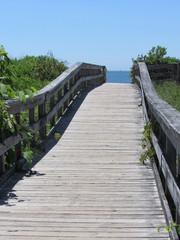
{"x": 91, "y": 184}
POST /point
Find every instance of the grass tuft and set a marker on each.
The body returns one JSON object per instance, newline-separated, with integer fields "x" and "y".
{"x": 169, "y": 91}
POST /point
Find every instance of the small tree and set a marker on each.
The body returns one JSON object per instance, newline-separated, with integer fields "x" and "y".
{"x": 157, "y": 55}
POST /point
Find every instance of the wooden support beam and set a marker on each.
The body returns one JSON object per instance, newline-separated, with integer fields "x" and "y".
{"x": 104, "y": 74}
{"x": 18, "y": 147}
{"x": 32, "y": 121}
{"x": 2, "y": 164}
{"x": 60, "y": 111}
{"x": 171, "y": 156}
{"x": 52, "y": 104}
{"x": 178, "y": 165}
{"x": 66, "y": 89}
{"x": 32, "y": 116}
{"x": 42, "y": 113}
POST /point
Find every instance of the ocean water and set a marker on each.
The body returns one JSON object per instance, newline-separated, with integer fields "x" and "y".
{"x": 118, "y": 77}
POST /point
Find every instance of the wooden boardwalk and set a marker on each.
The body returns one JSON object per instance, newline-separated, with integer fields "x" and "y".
{"x": 91, "y": 184}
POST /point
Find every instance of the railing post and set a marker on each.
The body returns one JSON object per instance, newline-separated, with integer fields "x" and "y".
{"x": 178, "y": 165}
{"x": 31, "y": 116}
{"x": 171, "y": 156}
{"x": 31, "y": 121}
{"x": 162, "y": 140}
{"x": 170, "y": 153}
{"x": 60, "y": 111}
{"x": 42, "y": 113}
{"x": 178, "y": 73}
{"x": 66, "y": 88}
{"x": 104, "y": 74}
{"x": 18, "y": 147}
{"x": 52, "y": 104}
{"x": 2, "y": 164}
{"x": 83, "y": 85}
{"x": 71, "y": 84}
{"x": 76, "y": 78}
{"x": 178, "y": 176}
{"x": 90, "y": 72}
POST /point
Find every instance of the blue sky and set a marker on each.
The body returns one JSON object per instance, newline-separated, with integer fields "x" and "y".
{"x": 105, "y": 32}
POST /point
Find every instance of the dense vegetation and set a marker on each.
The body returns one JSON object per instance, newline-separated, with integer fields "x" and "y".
{"x": 34, "y": 71}
{"x": 19, "y": 77}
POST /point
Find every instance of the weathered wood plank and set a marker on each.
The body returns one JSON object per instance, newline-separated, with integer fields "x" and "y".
{"x": 91, "y": 184}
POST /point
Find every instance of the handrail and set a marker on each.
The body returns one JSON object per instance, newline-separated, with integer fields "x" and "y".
{"x": 167, "y": 116}
{"x": 58, "y": 95}
{"x": 15, "y": 106}
{"x": 166, "y": 134}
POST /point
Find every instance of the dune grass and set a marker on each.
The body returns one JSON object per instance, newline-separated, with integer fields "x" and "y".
{"x": 169, "y": 91}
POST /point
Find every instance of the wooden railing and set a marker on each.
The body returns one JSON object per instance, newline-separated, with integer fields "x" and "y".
{"x": 56, "y": 97}
{"x": 161, "y": 72}
{"x": 166, "y": 136}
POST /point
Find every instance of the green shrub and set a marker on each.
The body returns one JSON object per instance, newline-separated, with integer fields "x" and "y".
{"x": 35, "y": 71}
{"x": 157, "y": 55}
{"x": 17, "y": 78}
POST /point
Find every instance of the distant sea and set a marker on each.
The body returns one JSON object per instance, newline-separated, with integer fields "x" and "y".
{"x": 118, "y": 77}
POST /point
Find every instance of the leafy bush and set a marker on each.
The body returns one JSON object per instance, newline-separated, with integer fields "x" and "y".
{"x": 5, "y": 76}
{"x": 35, "y": 71}
{"x": 156, "y": 55}
{"x": 17, "y": 78}
{"x": 8, "y": 123}
{"x": 147, "y": 145}
{"x": 48, "y": 68}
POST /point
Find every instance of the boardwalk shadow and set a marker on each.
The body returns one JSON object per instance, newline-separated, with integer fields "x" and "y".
{"x": 8, "y": 195}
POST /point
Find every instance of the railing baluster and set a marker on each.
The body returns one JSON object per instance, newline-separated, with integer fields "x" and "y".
{"x": 31, "y": 121}
{"x": 83, "y": 85}
{"x": 42, "y": 113}
{"x": 31, "y": 116}
{"x": 60, "y": 111}
{"x": 178, "y": 177}
{"x": 72, "y": 82}
{"x": 2, "y": 164}
{"x": 178, "y": 73}
{"x": 52, "y": 104}
{"x": 177, "y": 218}
{"x": 18, "y": 147}
{"x": 104, "y": 74}
{"x": 171, "y": 156}
{"x": 66, "y": 88}
{"x": 178, "y": 165}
